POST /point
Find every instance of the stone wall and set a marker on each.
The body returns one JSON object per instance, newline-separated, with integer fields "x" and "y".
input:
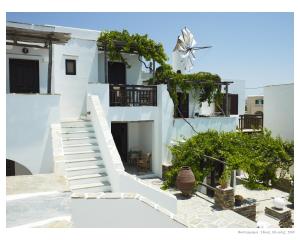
{"x": 282, "y": 184}
{"x": 248, "y": 211}
{"x": 224, "y": 198}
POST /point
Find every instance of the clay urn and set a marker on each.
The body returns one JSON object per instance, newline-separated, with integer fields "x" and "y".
{"x": 185, "y": 180}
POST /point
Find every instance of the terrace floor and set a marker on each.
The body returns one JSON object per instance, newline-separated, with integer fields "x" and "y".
{"x": 199, "y": 211}
{"x": 40, "y": 200}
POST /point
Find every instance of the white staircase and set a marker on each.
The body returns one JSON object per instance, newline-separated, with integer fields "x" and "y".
{"x": 84, "y": 166}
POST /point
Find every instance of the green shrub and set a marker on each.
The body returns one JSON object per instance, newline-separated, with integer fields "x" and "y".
{"x": 258, "y": 154}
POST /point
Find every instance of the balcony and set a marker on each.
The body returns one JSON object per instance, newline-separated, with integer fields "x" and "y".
{"x": 251, "y": 121}
{"x": 132, "y": 95}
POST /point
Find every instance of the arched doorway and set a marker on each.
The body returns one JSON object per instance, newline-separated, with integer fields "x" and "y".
{"x": 14, "y": 168}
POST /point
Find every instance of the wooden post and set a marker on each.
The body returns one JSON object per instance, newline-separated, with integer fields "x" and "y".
{"x": 105, "y": 65}
{"x": 226, "y": 100}
{"x": 153, "y": 68}
{"x": 49, "y": 68}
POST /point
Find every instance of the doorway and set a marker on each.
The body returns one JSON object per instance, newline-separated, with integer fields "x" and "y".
{"x": 119, "y": 132}
{"x": 10, "y": 168}
{"x": 24, "y": 76}
{"x": 116, "y": 73}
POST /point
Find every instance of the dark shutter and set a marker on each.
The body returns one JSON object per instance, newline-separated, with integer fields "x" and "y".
{"x": 234, "y": 104}
{"x": 116, "y": 73}
{"x": 24, "y": 76}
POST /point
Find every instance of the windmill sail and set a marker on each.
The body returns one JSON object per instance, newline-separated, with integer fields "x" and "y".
{"x": 184, "y": 54}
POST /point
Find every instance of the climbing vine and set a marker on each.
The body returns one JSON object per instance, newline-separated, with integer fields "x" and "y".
{"x": 117, "y": 42}
{"x": 259, "y": 155}
{"x": 201, "y": 85}
{"x": 132, "y": 43}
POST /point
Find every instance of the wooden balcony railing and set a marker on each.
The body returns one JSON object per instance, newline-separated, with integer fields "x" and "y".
{"x": 251, "y": 121}
{"x": 132, "y": 95}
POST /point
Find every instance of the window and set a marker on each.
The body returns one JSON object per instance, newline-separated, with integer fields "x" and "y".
{"x": 259, "y": 101}
{"x": 70, "y": 67}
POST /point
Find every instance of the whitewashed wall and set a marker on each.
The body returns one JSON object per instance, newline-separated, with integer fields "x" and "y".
{"x": 140, "y": 136}
{"x": 41, "y": 55}
{"x": 279, "y": 110}
{"x": 174, "y": 129}
{"x": 28, "y": 120}
{"x": 117, "y": 212}
{"x": 73, "y": 88}
{"x": 121, "y": 181}
{"x": 165, "y": 128}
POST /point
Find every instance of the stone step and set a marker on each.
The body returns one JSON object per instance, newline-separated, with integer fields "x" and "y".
{"x": 81, "y": 154}
{"x": 86, "y": 179}
{"x": 86, "y": 170}
{"x": 77, "y": 134}
{"x": 78, "y": 140}
{"x": 74, "y": 131}
{"x": 81, "y": 147}
{"x": 77, "y": 123}
{"x": 82, "y": 162}
{"x": 91, "y": 187}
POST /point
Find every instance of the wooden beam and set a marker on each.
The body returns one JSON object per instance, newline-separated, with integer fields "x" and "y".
{"x": 49, "y": 68}
{"x": 105, "y": 66}
{"x": 25, "y": 45}
{"x": 226, "y": 101}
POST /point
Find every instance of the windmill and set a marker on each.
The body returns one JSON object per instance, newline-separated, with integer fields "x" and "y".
{"x": 184, "y": 51}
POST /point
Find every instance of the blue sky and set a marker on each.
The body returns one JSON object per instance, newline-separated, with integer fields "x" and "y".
{"x": 255, "y": 47}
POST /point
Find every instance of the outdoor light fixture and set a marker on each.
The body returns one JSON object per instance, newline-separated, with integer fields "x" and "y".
{"x": 25, "y": 50}
{"x": 279, "y": 203}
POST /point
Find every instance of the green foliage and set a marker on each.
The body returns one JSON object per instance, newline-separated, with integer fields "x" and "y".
{"x": 257, "y": 154}
{"x": 117, "y": 42}
{"x": 132, "y": 43}
{"x": 189, "y": 83}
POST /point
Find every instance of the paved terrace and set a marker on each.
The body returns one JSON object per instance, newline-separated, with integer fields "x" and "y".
{"x": 198, "y": 211}
{"x": 37, "y": 201}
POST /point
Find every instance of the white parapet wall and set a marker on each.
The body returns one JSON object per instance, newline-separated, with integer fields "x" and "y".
{"x": 119, "y": 179}
{"x": 121, "y": 210}
{"x": 129, "y": 183}
{"x": 109, "y": 152}
{"x": 28, "y": 136}
{"x": 57, "y": 149}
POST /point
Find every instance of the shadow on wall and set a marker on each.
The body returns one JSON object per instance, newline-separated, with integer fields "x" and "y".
{"x": 14, "y": 169}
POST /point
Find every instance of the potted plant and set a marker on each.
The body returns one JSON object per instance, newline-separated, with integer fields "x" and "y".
{"x": 238, "y": 200}
{"x": 224, "y": 179}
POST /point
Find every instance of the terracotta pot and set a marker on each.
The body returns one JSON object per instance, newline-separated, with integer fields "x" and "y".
{"x": 185, "y": 180}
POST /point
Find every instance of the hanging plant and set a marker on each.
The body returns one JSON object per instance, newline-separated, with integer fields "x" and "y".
{"x": 117, "y": 42}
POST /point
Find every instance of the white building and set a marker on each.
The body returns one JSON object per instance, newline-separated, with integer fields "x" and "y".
{"x": 279, "y": 110}
{"x": 63, "y": 117}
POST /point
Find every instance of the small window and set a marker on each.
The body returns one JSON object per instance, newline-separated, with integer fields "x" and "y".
{"x": 259, "y": 101}
{"x": 70, "y": 67}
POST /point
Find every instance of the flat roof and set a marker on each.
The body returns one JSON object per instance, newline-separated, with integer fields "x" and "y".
{"x": 24, "y": 32}
{"x": 282, "y": 84}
